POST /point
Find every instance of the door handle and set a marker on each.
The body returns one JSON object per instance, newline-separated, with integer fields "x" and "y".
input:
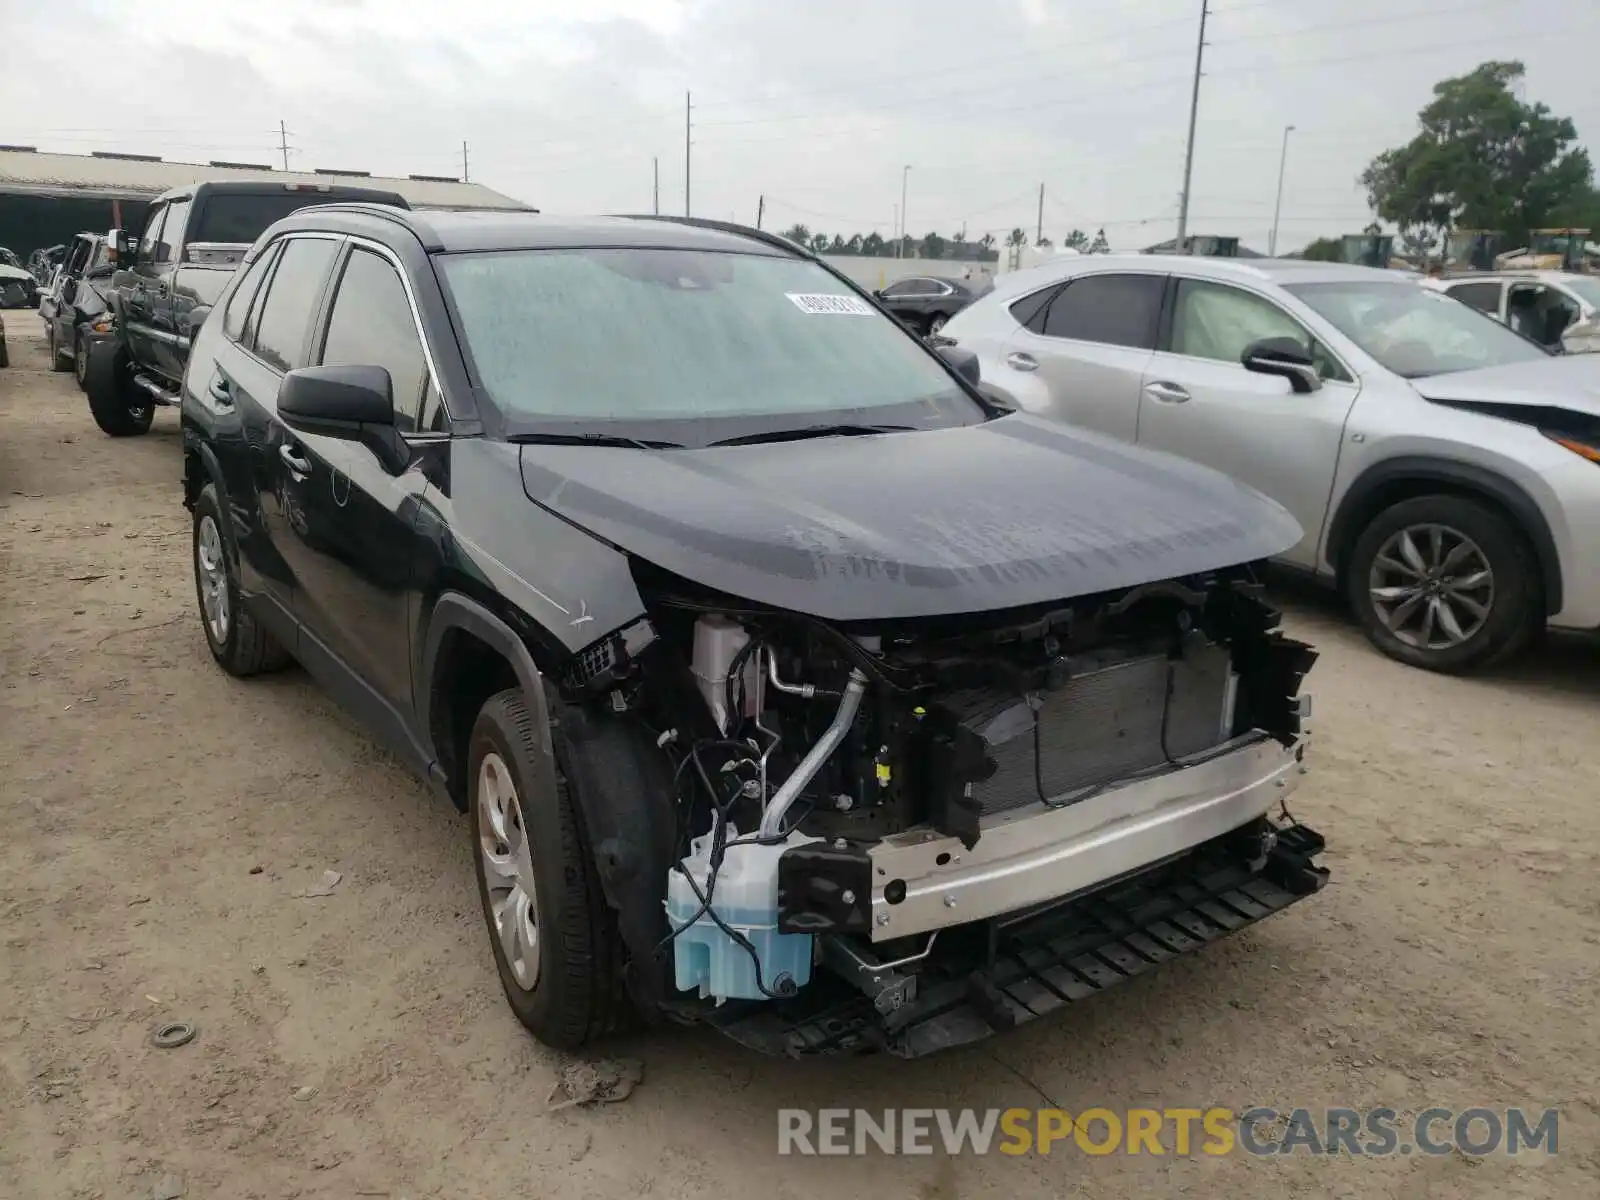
{"x": 1167, "y": 393}
{"x": 1018, "y": 361}
{"x": 298, "y": 467}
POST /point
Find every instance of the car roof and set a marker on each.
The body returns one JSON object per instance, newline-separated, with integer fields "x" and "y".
{"x": 450, "y": 231}
{"x": 251, "y": 187}
{"x": 1538, "y": 276}
{"x": 1280, "y": 271}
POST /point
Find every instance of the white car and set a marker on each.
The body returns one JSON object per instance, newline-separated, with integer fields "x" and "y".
{"x": 1554, "y": 308}
{"x": 1445, "y": 471}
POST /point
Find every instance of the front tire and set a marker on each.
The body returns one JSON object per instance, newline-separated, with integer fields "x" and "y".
{"x": 1444, "y": 583}
{"x": 238, "y": 642}
{"x": 118, "y": 407}
{"x": 56, "y": 363}
{"x": 553, "y": 937}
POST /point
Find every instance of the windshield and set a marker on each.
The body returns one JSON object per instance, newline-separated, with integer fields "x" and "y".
{"x": 1414, "y": 331}
{"x": 689, "y": 346}
{"x": 1555, "y": 243}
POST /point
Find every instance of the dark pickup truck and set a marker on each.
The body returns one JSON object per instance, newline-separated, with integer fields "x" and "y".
{"x": 165, "y": 284}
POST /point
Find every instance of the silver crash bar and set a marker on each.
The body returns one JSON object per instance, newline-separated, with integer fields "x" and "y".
{"x": 1037, "y": 854}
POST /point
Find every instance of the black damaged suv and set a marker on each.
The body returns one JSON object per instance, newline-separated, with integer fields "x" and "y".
{"x": 790, "y": 683}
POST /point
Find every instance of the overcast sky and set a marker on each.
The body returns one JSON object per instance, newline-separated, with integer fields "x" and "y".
{"x": 818, "y": 104}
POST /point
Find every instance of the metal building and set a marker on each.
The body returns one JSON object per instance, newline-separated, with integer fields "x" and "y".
{"x": 46, "y": 198}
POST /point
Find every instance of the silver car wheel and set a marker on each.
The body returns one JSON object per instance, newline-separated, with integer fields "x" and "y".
{"x": 212, "y": 569}
{"x": 935, "y": 325}
{"x": 508, "y": 869}
{"x": 1432, "y": 586}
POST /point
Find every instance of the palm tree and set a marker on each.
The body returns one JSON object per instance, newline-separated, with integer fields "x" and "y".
{"x": 1016, "y": 238}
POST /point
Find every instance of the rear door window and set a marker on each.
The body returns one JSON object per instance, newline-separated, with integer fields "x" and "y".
{"x": 1114, "y": 310}
{"x": 291, "y": 301}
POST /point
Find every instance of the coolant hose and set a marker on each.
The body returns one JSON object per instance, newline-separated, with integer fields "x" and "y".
{"x": 784, "y": 798}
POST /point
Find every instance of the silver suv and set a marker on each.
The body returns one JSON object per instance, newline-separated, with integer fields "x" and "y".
{"x": 1445, "y": 470}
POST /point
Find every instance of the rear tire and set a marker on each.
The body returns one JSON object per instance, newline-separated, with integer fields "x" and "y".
{"x": 1445, "y": 583}
{"x": 117, "y": 406}
{"x": 566, "y": 988}
{"x": 239, "y": 643}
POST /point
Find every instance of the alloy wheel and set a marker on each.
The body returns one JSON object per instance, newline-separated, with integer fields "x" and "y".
{"x": 1431, "y": 586}
{"x": 508, "y": 869}
{"x": 213, "y": 571}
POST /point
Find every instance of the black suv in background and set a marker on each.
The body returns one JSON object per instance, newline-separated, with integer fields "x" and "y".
{"x": 761, "y": 647}
{"x": 166, "y": 282}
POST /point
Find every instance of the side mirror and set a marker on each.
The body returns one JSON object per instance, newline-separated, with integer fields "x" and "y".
{"x": 119, "y": 247}
{"x": 963, "y": 362}
{"x": 1282, "y": 356}
{"x": 877, "y": 293}
{"x": 351, "y": 403}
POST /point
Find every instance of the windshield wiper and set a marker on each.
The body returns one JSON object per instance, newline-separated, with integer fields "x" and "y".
{"x": 590, "y": 439}
{"x": 810, "y": 431}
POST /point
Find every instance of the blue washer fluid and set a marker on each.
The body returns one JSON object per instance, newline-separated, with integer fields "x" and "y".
{"x": 707, "y": 960}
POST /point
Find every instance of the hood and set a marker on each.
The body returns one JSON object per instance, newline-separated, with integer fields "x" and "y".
{"x": 9, "y": 274}
{"x": 1569, "y": 381}
{"x": 1012, "y": 512}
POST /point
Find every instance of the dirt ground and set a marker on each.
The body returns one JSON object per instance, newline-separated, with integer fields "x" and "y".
{"x": 160, "y": 822}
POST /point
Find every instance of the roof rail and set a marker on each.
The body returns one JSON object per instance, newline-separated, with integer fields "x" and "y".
{"x": 240, "y": 166}
{"x": 122, "y": 155}
{"x": 761, "y": 235}
{"x": 336, "y": 171}
{"x": 434, "y": 178}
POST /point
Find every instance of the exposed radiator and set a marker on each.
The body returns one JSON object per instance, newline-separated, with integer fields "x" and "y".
{"x": 1101, "y": 726}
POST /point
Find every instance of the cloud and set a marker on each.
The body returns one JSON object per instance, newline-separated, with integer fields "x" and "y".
{"x": 816, "y": 105}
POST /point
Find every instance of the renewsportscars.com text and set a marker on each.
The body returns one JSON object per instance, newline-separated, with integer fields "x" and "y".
{"x": 1212, "y": 1131}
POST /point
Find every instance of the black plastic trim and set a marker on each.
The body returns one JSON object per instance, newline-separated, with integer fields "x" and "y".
{"x": 1342, "y": 530}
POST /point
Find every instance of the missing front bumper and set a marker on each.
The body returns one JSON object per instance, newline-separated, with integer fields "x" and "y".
{"x": 923, "y": 881}
{"x": 1006, "y": 971}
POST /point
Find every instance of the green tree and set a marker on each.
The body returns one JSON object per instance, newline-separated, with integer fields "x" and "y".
{"x": 933, "y": 246}
{"x": 838, "y": 245}
{"x": 1044, "y": 243}
{"x": 1076, "y": 240}
{"x": 872, "y": 246}
{"x": 1099, "y": 245}
{"x": 1324, "y": 250}
{"x": 908, "y": 246}
{"x": 987, "y": 241}
{"x": 853, "y": 246}
{"x": 798, "y": 234}
{"x": 819, "y": 243}
{"x": 1484, "y": 159}
{"x": 1016, "y": 238}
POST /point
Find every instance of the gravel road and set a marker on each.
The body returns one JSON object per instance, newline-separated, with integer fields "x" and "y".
{"x": 161, "y": 822}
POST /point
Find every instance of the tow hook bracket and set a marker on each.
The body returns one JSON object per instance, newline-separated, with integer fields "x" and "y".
{"x": 890, "y": 991}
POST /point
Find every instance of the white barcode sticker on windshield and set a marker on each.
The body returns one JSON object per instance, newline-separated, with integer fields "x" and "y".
{"x": 819, "y": 303}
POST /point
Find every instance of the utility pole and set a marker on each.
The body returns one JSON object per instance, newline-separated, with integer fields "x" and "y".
{"x": 905, "y": 226}
{"x": 283, "y": 144}
{"x": 761, "y": 210}
{"x": 1039, "y": 236}
{"x": 1277, "y": 208}
{"x": 688, "y": 108}
{"x": 465, "y": 178}
{"x": 655, "y": 188}
{"x": 1194, "y": 112}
